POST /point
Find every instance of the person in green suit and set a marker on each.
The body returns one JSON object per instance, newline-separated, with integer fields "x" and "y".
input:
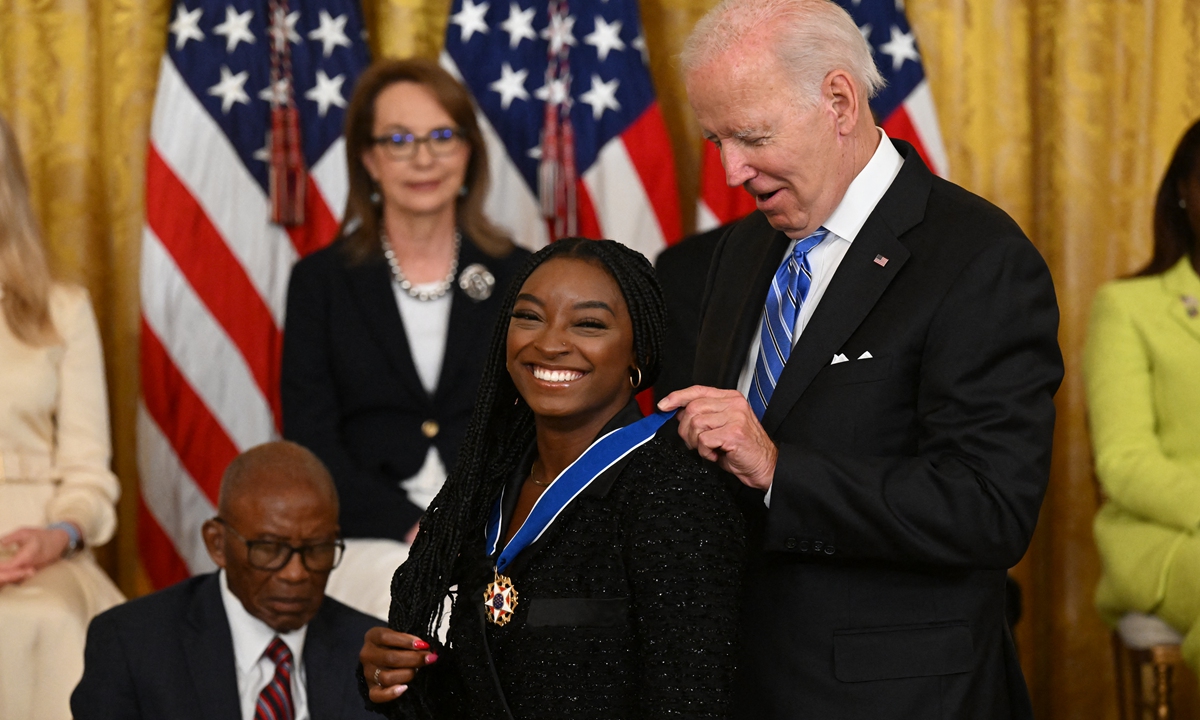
{"x": 1142, "y": 367}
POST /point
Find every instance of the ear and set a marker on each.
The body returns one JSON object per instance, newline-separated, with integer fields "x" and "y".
{"x": 840, "y": 90}
{"x": 370, "y": 162}
{"x": 214, "y": 541}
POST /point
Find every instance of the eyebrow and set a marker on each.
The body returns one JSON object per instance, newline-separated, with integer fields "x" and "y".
{"x": 594, "y": 305}
{"x": 585, "y": 305}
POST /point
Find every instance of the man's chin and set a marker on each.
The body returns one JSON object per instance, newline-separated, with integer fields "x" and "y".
{"x": 287, "y": 619}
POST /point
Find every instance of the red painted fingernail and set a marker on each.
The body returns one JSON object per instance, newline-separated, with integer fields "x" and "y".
{"x": 419, "y": 644}
{"x": 431, "y": 658}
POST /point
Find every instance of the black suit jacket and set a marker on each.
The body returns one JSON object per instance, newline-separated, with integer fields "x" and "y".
{"x": 170, "y": 655}
{"x": 350, "y": 389}
{"x": 906, "y": 483}
{"x": 680, "y": 270}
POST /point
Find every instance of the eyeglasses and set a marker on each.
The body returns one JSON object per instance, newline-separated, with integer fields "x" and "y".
{"x": 274, "y": 555}
{"x": 403, "y": 146}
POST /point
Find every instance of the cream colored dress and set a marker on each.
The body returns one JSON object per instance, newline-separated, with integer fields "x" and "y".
{"x": 54, "y": 466}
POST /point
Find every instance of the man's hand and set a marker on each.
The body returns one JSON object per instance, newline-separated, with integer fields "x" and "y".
{"x": 32, "y": 549}
{"x": 720, "y": 425}
{"x": 390, "y": 660}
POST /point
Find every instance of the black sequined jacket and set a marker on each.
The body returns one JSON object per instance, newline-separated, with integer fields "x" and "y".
{"x": 627, "y": 604}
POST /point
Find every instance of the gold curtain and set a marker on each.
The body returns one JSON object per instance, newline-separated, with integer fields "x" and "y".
{"x": 1063, "y": 112}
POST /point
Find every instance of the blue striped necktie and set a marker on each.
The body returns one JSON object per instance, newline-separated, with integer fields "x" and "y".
{"x": 787, "y": 293}
{"x": 275, "y": 700}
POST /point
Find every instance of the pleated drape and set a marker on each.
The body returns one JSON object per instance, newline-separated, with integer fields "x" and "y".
{"x": 1063, "y": 112}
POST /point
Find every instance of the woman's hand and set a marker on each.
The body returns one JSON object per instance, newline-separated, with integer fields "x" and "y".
{"x": 33, "y": 549}
{"x": 390, "y": 661}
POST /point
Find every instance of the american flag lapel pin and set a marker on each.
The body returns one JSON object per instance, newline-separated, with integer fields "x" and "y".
{"x": 881, "y": 261}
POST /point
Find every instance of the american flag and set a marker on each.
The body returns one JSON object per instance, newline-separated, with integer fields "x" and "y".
{"x": 904, "y": 108}
{"x": 566, "y": 104}
{"x": 214, "y": 267}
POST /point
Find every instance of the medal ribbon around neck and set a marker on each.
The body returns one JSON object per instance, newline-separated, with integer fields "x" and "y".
{"x": 501, "y": 597}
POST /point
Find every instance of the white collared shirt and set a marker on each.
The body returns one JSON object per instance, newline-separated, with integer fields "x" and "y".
{"x": 847, "y": 219}
{"x": 255, "y": 671}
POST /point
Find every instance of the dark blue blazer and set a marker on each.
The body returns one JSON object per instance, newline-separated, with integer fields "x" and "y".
{"x": 350, "y": 389}
{"x": 170, "y": 655}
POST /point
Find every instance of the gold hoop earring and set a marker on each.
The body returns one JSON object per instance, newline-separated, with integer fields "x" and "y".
{"x": 638, "y": 382}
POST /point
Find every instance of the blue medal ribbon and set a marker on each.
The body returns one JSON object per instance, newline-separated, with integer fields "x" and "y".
{"x": 600, "y": 456}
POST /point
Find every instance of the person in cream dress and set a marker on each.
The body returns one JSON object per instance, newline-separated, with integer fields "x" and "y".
{"x": 57, "y": 495}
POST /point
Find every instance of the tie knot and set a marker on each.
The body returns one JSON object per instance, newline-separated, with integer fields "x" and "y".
{"x": 809, "y": 242}
{"x": 279, "y": 653}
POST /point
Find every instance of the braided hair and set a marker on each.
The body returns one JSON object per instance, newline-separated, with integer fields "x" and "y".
{"x": 501, "y": 429}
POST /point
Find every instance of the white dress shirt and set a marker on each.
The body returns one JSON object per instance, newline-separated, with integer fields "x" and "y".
{"x": 861, "y": 197}
{"x": 251, "y": 637}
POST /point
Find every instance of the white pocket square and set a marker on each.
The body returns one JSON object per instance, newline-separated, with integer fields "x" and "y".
{"x": 839, "y": 358}
{"x": 866, "y": 356}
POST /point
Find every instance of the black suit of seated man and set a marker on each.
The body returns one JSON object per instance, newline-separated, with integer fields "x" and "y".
{"x": 172, "y": 654}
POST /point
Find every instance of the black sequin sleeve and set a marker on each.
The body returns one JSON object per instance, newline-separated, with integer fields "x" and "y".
{"x": 683, "y": 554}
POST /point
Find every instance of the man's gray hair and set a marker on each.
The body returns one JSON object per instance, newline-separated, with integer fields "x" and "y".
{"x": 812, "y": 39}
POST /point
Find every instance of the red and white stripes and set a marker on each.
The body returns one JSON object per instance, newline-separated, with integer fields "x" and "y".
{"x": 214, "y": 279}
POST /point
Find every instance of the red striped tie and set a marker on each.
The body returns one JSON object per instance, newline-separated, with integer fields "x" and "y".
{"x": 275, "y": 701}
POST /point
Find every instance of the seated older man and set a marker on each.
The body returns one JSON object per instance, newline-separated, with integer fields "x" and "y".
{"x": 256, "y": 640}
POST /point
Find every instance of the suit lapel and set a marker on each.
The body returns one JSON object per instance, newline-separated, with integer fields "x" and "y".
{"x": 749, "y": 256}
{"x": 327, "y": 686}
{"x": 371, "y": 286}
{"x": 208, "y": 650}
{"x": 856, "y": 286}
{"x": 1183, "y": 290}
{"x": 468, "y": 318}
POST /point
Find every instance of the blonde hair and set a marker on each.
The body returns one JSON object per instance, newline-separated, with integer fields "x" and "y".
{"x": 24, "y": 275}
{"x": 812, "y": 39}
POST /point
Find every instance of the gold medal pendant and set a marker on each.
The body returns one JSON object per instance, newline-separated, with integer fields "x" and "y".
{"x": 500, "y": 598}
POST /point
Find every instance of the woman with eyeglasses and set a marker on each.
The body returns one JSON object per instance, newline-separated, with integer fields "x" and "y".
{"x": 387, "y": 327}
{"x": 57, "y": 494}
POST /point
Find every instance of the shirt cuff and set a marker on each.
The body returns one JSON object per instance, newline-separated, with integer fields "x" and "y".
{"x": 767, "y": 497}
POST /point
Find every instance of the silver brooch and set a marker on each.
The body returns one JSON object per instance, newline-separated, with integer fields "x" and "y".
{"x": 477, "y": 282}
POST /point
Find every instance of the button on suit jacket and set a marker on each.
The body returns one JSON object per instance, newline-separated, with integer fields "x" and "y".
{"x": 907, "y": 482}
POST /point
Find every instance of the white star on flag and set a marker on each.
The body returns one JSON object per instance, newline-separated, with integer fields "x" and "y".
{"x": 236, "y": 28}
{"x": 331, "y": 33}
{"x": 556, "y": 93}
{"x": 511, "y": 85}
{"x": 263, "y": 154}
{"x": 470, "y": 19}
{"x": 639, "y": 44}
{"x": 902, "y": 46}
{"x": 605, "y": 38}
{"x": 559, "y": 32}
{"x": 602, "y": 96}
{"x": 327, "y": 92}
{"x": 187, "y": 26}
{"x": 231, "y": 89}
{"x": 275, "y": 94}
{"x": 288, "y": 29}
{"x": 519, "y": 25}
{"x": 866, "y": 33}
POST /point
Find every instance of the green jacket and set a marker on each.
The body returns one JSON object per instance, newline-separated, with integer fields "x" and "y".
{"x": 1142, "y": 368}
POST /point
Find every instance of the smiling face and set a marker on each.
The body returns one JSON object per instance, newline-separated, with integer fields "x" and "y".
{"x": 275, "y": 509}
{"x": 424, "y": 184}
{"x": 570, "y": 342}
{"x": 784, "y": 153}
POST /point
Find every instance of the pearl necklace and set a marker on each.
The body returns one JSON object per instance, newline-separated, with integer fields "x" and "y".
{"x": 407, "y": 286}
